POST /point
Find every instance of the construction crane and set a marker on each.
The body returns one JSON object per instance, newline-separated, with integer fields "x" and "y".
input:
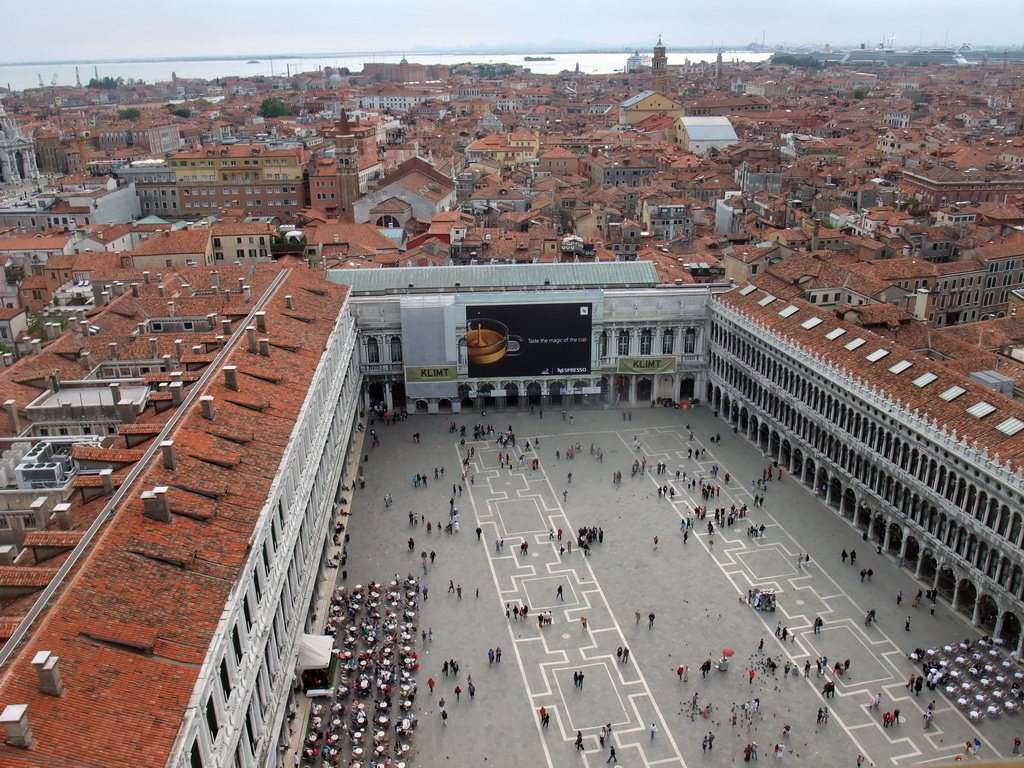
{"x": 41, "y": 83}
{"x": 53, "y": 82}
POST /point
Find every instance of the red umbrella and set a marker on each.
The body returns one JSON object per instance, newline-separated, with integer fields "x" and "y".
{"x": 727, "y": 652}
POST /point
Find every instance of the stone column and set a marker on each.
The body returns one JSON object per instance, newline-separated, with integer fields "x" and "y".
{"x": 387, "y": 397}
{"x": 976, "y": 616}
{"x": 632, "y": 389}
{"x": 903, "y": 547}
{"x": 956, "y": 594}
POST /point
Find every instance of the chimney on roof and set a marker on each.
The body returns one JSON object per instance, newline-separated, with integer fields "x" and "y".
{"x": 54, "y": 382}
{"x": 169, "y": 362}
{"x": 215, "y": 281}
{"x": 212, "y": 318}
{"x": 167, "y": 449}
{"x": 14, "y": 719}
{"x": 62, "y": 514}
{"x": 247, "y": 292}
{"x": 4, "y": 362}
{"x": 231, "y": 377}
{"x": 107, "y": 476}
{"x": 161, "y": 291}
{"x": 179, "y": 348}
{"x": 155, "y": 504}
{"x": 48, "y": 673}
{"x": 261, "y": 322}
{"x": 13, "y": 420}
{"x": 170, "y": 309}
{"x": 36, "y": 345}
{"x": 8, "y": 554}
{"x": 198, "y": 349}
{"x": 118, "y": 288}
{"x": 219, "y": 338}
{"x": 206, "y": 401}
{"x": 145, "y": 277}
{"x": 83, "y": 328}
{"x": 154, "y": 348}
{"x": 52, "y": 330}
{"x": 104, "y": 298}
{"x": 241, "y": 282}
{"x": 225, "y": 326}
{"x": 919, "y": 304}
{"x": 176, "y": 392}
{"x": 112, "y": 346}
{"x": 288, "y": 301}
{"x": 135, "y": 290}
{"x": 337, "y": 238}
{"x": 126, "y": 411}
{"x": 90, "y": 361}
{"x": 250, "y": 332}
{"x": 265, "y": 347}
{"x": 80, "y": 313}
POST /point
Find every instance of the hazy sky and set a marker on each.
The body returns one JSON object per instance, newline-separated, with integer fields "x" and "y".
{"x": 49, "y": 30}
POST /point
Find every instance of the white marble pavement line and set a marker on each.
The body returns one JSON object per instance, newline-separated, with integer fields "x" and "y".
{"x": 492, "y": 516}
{"x": 782, "y": 540}
{"x": 493, "y": 520}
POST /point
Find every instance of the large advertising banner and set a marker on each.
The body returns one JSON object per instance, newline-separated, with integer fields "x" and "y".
{"x": 647, "y": 365}
{"x": 429, "y": 349}
{"x": 528, "y": 339}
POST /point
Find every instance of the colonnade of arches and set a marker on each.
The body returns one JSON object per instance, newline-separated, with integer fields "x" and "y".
{"x": 924, "y": 505}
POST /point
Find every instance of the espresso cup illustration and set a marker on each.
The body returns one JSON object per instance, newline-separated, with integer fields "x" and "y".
{"x": 489, "y": 341}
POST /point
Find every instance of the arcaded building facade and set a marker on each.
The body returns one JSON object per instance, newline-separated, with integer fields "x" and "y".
{"x": 925, "y": 460}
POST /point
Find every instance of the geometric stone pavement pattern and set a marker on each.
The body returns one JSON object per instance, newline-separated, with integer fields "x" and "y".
{"x": 696, "y": 590}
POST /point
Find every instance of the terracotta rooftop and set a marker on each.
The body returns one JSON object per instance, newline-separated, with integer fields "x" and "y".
{"x": 127, "y": 657}
{"x": 937, "y": 399}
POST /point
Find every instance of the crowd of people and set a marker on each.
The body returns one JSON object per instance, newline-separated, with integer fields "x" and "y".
{"x": 695, "y": 486}
{"x": 366, "y": 711}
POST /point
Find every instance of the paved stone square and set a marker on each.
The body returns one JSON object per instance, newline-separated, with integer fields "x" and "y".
{"x": 696, "y": 590}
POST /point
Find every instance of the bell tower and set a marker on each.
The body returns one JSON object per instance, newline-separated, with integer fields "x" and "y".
{"x": 347, "y": 153}
{"x": 659, "y": 69}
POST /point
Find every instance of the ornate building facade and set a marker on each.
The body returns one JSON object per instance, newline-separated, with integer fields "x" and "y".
{"x": 17, "y": 155}
{"x": 925, "y": 461}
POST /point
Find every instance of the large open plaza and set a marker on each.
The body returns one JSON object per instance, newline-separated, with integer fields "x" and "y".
{"x": 697, "y": 590}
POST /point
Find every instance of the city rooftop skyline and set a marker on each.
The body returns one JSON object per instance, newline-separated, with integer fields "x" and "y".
{"x": 64, "y": 29}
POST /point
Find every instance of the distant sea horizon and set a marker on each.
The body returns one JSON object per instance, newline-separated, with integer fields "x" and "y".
{"x": 23, "y": 76}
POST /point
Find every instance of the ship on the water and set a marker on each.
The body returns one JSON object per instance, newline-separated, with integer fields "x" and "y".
{"x": 637, "y": 61}
{"x": 944, "y": 56}
{"x": 538, "y": 58}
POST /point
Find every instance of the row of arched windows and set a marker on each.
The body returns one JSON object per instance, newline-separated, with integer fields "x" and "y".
{"x": 373, "y": 349}
{"x": 899, "y": 467}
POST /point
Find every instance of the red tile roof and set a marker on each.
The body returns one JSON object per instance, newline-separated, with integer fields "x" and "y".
{"x": 128, "y": 658}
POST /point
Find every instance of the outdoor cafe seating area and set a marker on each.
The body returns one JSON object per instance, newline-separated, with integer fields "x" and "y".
{"x": 364, "y": 717}
{"x": 981, "y": 678}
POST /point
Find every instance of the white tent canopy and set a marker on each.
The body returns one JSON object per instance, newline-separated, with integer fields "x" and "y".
{"x": 314, "y": 651}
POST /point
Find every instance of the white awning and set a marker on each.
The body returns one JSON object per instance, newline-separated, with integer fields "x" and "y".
{"x": 314, "y": 651}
